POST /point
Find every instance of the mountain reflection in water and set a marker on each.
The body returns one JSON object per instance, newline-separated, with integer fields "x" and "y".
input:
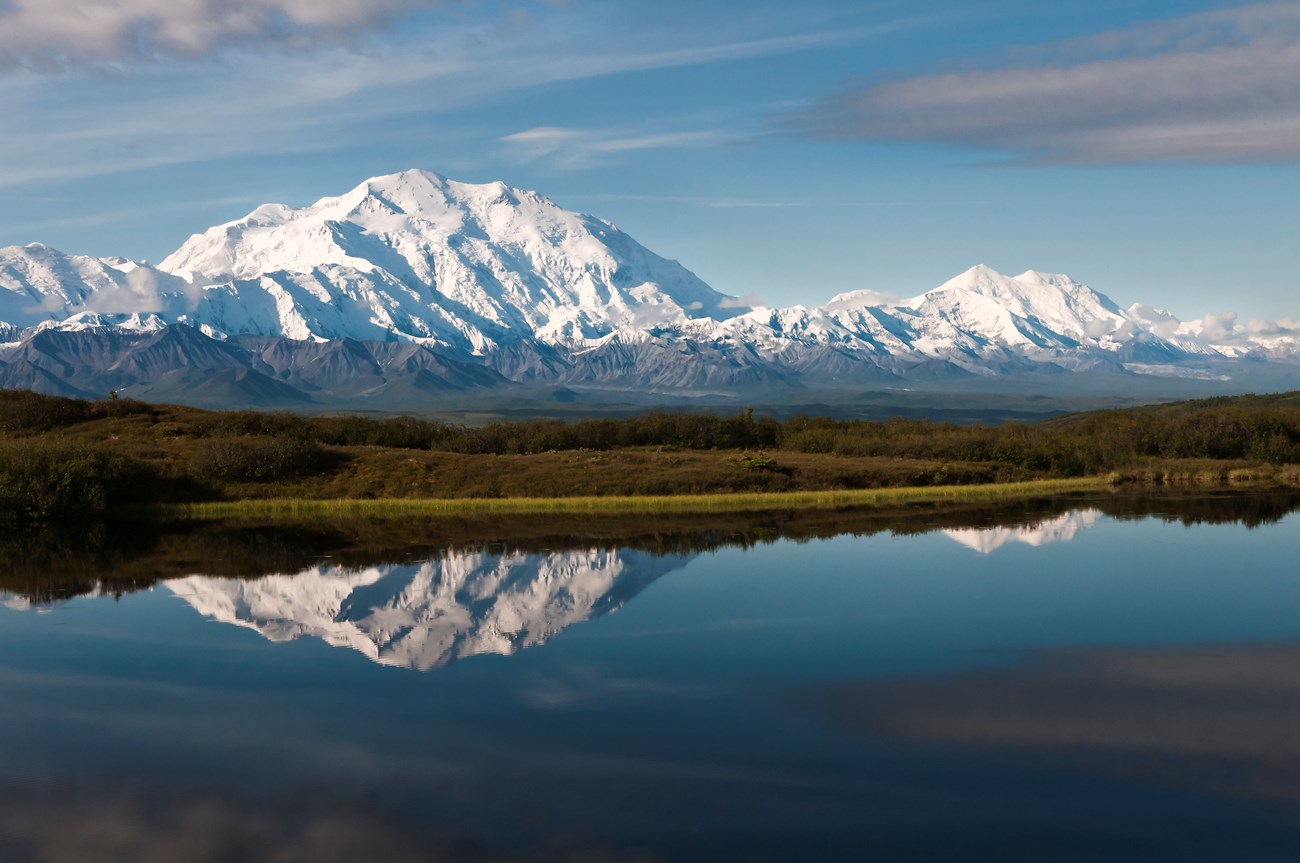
{"x": 1063, "y": 528}
{"x": 425, "y": 615}
{"x": 830, "y": 686}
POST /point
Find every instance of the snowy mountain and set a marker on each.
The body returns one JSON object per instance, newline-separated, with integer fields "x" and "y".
{"x": 417, "y": 257}
{"x": 430, "y": 285}
{"x": 426, "y": 615}
{"x": 40, "y": 285}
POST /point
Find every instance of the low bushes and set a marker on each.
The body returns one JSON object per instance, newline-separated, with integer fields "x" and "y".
{"x": 51, "y": 481}
{"x": 255, "y": 459}
{"x": 24, "y": 411}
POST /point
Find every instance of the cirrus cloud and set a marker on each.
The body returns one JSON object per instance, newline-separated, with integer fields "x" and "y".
{"x": 1211, "y": 87}
{"x": 44, "y": 34}
{"x": 582, "y": 148}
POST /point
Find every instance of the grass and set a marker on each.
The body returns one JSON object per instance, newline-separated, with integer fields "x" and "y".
{"x": 701, "y": 503}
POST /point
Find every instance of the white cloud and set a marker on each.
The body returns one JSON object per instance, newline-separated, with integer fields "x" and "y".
{"x": 60, "y": 33}
{"x": 1283, "y": 327}
{"x": 1216, "y": 86}
{"x": 1223, "y": 329}
{"x": 1220, "y": 326}
{"x": 1158, "y": 321}
{"x": 749, "y": 301}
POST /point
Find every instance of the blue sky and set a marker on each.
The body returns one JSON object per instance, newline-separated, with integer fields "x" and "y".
{"x": 788, "y": 151}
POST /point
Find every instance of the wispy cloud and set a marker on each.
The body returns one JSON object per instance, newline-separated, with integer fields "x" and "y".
{"x": 581, "y": 148}
{"x": 46, "y": 34}
{"x": 146, "y": 116}
{"x": 745, "y": 49}
{"x": 697, "y": 201}
{"x": 1212, "y": 87}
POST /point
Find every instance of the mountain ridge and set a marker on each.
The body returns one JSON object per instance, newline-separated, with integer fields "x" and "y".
{"x": 488, "y": 286}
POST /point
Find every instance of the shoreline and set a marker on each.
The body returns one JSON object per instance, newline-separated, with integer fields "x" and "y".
{"x": 632, "y": 504}
{"x": 726, "y": 502}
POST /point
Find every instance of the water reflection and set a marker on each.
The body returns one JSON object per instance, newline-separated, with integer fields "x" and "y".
{"x": 202, "y": 829}
{"x": 885, "y": 694}
{"x": 1063, "y": 528}
{"x": 1218, "y": 719}
{"x": 425, "y": 615}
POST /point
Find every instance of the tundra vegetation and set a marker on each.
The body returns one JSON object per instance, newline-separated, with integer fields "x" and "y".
{"x": 64, "y": 458}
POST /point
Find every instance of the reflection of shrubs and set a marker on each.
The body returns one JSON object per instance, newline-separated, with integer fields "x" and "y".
{"x": 40, "y": 481}
{"x": 255, "y": 459}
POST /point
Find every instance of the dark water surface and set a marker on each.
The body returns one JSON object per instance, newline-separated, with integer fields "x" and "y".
{"x": 1074, "y": 680}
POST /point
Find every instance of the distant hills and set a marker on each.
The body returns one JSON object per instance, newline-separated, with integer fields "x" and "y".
{"x": 413, "y": 287}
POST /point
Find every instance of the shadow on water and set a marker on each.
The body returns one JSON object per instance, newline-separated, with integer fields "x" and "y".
{"x": 51, "y": 564}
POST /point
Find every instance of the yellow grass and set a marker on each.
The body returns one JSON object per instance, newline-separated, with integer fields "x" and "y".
{"x": 703, "y": 503}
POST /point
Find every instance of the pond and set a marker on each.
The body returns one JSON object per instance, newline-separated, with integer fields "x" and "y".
{"x": 1078, "y": 679}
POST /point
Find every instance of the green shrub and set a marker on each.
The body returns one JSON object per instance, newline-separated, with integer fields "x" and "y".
{"x": 246, "y": 422}
{"x": 255, "y": 459}
{"x": 23, "y": 411}
{"x": 43, "y": 481}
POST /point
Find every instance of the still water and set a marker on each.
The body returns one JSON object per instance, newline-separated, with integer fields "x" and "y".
{"x": 1092, "y": 681}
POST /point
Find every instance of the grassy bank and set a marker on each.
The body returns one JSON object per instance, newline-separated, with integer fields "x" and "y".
{"x": 617, "y": 505}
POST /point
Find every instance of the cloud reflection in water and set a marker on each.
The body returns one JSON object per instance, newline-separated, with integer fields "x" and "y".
{"x": 1214, "y": 719}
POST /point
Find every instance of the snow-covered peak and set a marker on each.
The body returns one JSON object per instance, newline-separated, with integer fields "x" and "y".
{"x": 980, "y": 279}
{"x": 852, "y": 300}
{"x": 40, "y": 284}
{"x": 82, "y": 321}
{"x": 417, "y": 256}
{"x": 1031, "y": 311}
{"x": 416, "y": 191}
{"x": 1056, "y": 280}
{"x": 480, "y": 270}
{"x": 1029, "y": 290}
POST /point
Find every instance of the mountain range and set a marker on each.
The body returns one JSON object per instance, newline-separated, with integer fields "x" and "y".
{"x": 412, "y": 287}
